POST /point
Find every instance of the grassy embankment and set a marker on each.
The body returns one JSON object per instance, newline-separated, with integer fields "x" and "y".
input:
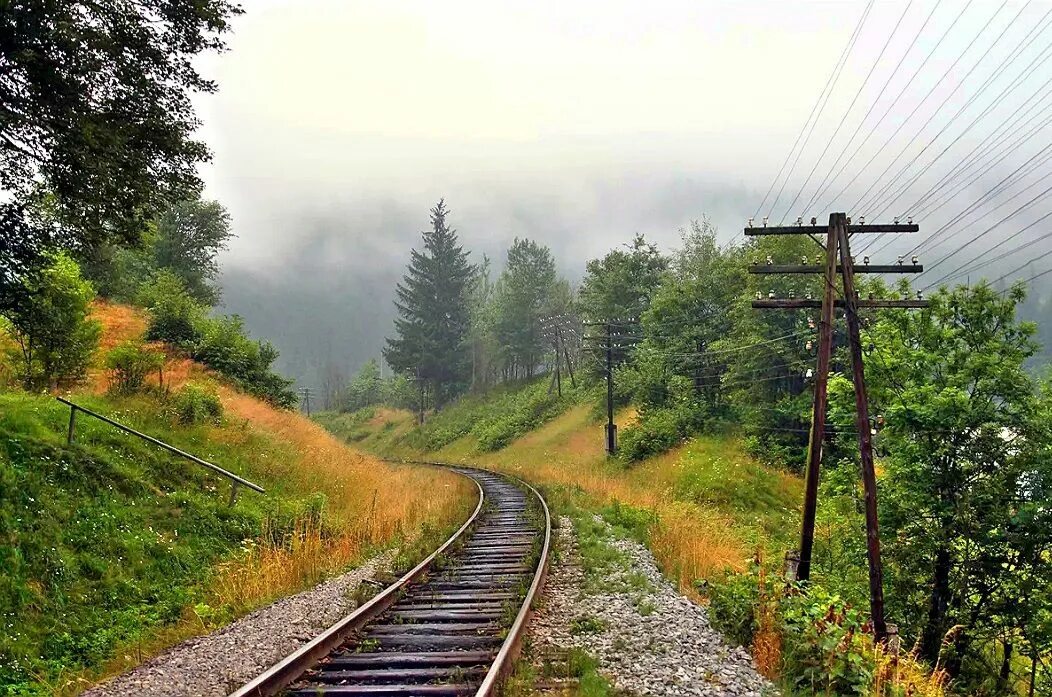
{"x": 704, "y": 508}
{"x": 113, "y": 550}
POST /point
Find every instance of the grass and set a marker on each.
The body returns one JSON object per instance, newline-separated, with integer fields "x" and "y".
{"x": 113, "y": 550}
{"x": 703, "y": 508}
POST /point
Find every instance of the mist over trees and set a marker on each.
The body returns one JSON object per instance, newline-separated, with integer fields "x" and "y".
{"x": 96, "y": 123}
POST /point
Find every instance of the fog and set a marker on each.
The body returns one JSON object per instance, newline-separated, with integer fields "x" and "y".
{"x": 338, "y": 124}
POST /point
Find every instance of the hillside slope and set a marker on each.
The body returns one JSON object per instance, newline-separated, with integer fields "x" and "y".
{"x": 705, "y": 507}
{"x": 112, "y": 549}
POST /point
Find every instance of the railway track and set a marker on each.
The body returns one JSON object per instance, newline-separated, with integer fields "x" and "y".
{"x": 451, "y": 626}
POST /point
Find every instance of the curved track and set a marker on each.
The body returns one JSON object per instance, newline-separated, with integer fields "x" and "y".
{"x": 451, "y": 626}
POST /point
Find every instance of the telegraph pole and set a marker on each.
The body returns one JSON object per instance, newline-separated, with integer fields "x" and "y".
{"x": 305, "y": 398}
{"x": 838, "y": 241}
{"x": 611, "y": 427}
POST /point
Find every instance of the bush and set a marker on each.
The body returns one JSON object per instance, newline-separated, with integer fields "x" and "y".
{"x": 175, "y": 317}
{"x": 224, "y": 346}
{"x": 732, "y": 607}
{"x": 55, "y": 336}
{"x": 824, "y": 644}
{"x": 660, "y": 429}
{"x": 130, "y": 363}
{"x": 196, "y": 403}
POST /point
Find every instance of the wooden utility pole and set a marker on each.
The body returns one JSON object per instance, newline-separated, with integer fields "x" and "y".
{"x": 611, "y": 427}
{"x": 837, "y": 240}
{"x": 305, "y": 397}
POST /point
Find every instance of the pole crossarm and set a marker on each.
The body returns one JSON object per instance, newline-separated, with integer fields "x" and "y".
{"x": 861, "y": 304}
{"x": 809, "y": 268}
{"x": 812, "y": 229}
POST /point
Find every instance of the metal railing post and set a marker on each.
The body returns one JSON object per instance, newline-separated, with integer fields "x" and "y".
{"x": 72, "y": 420}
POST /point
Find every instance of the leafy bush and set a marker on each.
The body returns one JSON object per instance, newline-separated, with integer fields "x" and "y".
{"x": 130, "y": 363}
{"x": 225, "y": 347}
{"x": 196, "y": 403}
{"x": 824, "y": 644}
{"x": 55, "y": 336}
{"x": 732, "y": 607}
{"x": 221, "y": 343}
{"x": 660, "y": 429}
{"x": 531, "y": 409}
{"x": 175, "y": 316}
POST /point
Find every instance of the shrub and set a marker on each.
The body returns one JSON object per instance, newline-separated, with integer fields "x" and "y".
{"x": 55, "y": 336}
{"x": 660, "y": 429}
{"x": 224, "y": 346}
{"x": 175, "y": 317}
{"x": 732, "y": 607}
{"x": 130, "y": 363}
{"x": 196, "y": 403}
{"x": 824, "y": 644}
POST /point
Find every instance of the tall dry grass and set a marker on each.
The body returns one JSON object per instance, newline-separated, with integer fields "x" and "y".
{"x": 689, "y": 540}
{"x": 368, "y": 503}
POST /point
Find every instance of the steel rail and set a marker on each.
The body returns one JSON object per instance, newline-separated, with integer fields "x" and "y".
{"x": 292, "y": 668}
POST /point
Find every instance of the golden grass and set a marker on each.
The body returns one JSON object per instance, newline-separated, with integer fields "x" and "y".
{"x": 368, "y": 503}
{"x": 689, "y": 540}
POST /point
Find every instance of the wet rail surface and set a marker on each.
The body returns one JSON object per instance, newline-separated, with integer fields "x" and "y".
{"x": 451, "y": 626}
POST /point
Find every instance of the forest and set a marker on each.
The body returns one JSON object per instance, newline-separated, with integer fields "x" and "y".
{"x": 959, "y": 393}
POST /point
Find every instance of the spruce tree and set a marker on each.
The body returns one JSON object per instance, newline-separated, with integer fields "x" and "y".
{"x": 434, "y": 319}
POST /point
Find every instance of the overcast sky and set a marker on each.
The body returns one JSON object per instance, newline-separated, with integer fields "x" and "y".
{"x": 339, "y": 123}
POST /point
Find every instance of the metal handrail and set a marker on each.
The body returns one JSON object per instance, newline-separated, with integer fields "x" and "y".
{"x": 235, "y": 479}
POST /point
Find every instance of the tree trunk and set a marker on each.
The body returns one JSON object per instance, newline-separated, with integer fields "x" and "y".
{"x": 939, "y": 602}
{"x": 1006, "y": 665}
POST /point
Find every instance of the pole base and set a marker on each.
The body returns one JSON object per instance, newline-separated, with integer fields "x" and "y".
{"x": 611, "y": 439}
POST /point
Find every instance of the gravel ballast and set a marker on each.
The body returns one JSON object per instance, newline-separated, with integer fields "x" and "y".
{"x": 218, "y": 663}
{"x": 647, "y": 637}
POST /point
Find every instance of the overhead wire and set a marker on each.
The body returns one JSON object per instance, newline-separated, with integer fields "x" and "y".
{"x": 839, "y": 69}
{"x": 945, "y": 102}
{"x": 828, "y": 180}
{"x": 924, "y": 204}
{"x": 982, "y": 200}
{"x": 843, "y": 119}
{"x": 871, "y": 201}
{"x": 834, "y": 74}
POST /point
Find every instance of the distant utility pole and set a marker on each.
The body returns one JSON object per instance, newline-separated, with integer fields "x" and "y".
{"x": 305, "y": 398}
{"x": 607, "y": 348}
{"x": 552, "y": 328}
{"x": 837, "y": 240}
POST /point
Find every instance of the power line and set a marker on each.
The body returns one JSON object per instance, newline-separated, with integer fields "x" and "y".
{"x": 1003, "y": 184}
{"x": 850, "y": 106}
{"x": 839, "y": 69}
{"x": 923, "y": 205}
{"x": 945, "y": 102}
{"x": 870, "y": 201}
{"x": 828, "y": 180}
{"x": 830, "y": 82}
{"x": 1026, "y": 205}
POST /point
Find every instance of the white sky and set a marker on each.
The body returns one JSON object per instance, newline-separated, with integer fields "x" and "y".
{"x": 339, "y": 123}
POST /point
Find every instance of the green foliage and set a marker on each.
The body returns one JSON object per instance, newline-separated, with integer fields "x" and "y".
{"x": 824, "y": 644}
{"x": 196, "y": 403}
{"x": 224, "y": 346}
{"x": 968, "y": 482}
{"x": 434, "y": 315}
{"x": 55, "y": 336}
{"x": 189, "y": 236}
{"x": 99, "y": 114}
{"x": 130, "y": 363}
{"x": 732, "y": 607}
{"x": 533, "y": 408}
{"x": 659, "y": 429}
{"x": 221, "y": 343}
{"x": 99, "y": 542}
{"x": 523, "y": 296}
{"x": 366, "y": 389}
{"x": 175, "y": 316}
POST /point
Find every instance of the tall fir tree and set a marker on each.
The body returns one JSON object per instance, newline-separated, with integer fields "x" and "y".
{"x": 434, "y": 320}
